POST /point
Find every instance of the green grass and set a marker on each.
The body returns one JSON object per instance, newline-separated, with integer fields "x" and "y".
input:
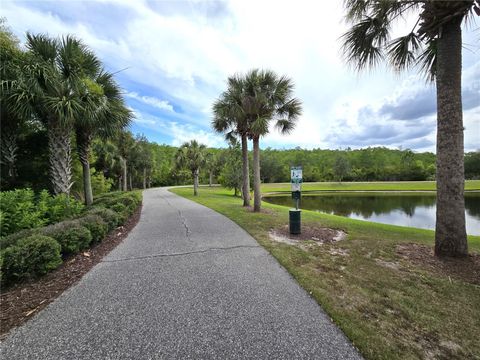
{"x": 366, "y": 186}
{"x": 405, "y": 313}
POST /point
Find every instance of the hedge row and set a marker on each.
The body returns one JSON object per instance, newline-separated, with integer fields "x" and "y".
{"x": 33, "y": 252}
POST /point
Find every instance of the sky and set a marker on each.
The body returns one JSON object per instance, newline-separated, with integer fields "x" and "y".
{"x": 173, "y": 57}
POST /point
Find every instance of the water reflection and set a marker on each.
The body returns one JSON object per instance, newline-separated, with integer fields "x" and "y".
{"x": 405, "y": 209}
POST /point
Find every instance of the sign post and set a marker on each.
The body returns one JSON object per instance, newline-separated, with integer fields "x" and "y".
{"x": 295, "y": 214}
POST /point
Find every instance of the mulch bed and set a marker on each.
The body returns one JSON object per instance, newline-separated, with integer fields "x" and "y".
{"x": 464, "y": 269}
{"x": 22, "y": 301}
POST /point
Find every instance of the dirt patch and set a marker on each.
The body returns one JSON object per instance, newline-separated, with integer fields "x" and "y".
{"x": 318, "y": 235}
{"x": 20, "y": 302}
{"x": 465, "y": 269}
{"x": 262, "y": 210}
{"x": 388, "y": 264}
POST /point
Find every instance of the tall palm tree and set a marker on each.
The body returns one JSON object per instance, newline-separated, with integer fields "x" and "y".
{"x": 229, "y": 118}
{"x": 48, "y": 90}
{"x": 104, "y": 114}
{"x": 435, "y": 46}
{"x": 267, "y": 97}
{"x": 191, "y": 155}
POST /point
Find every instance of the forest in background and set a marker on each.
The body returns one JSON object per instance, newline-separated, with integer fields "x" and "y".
{"x": 155, "y": 164}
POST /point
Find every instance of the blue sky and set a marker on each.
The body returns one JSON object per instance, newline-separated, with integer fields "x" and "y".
{"x": 173, "y": 58}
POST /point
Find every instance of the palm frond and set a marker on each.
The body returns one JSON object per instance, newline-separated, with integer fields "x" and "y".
{"x": 403, "y": 51}
{"x": 427, "y": 60}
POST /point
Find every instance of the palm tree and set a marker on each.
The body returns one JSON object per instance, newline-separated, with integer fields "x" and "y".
{"x": 125, "y": 144}
{"x": 435, "y": 46}
{"x": 48, "y": 90}
{"x": 229, "y": 118}
{"x": 104, "y": 114}
{"x": 11, "y": 58}
{"x": 191, "y": 155}
{"x": 267, "y": 97}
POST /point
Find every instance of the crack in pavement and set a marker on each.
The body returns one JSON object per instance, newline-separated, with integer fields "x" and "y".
{"x": 184, "y": 253}
{"x": 182, "y": 218}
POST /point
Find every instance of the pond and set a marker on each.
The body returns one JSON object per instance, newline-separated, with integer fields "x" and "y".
{"x": 404, "y": 209}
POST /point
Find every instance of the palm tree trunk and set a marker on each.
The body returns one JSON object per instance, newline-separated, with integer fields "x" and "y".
{"x": 130, "y": 180}
{"x": 144, "y": 178}
{"x": 245, "y": 172}
{"x": 124, "y": 175}
{"x": 60, "y": 157}
{"x": 450, "y": 233}
{"x": 257, "y": 196}
{"x": 83, "y": 149}
{"x": 195, "y": 182}
{"x": 9, "y": 152}
{"x": 210, "y": 179}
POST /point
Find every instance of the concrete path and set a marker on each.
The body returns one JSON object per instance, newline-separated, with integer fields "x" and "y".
{"x": 187, "y": 283}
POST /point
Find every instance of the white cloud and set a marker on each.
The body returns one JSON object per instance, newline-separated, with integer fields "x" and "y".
{"x": 150, "y": 100}
{"x": 188, "y": 55}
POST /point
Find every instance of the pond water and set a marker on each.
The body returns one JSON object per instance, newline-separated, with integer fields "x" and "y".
{"x": 404, "y": 209}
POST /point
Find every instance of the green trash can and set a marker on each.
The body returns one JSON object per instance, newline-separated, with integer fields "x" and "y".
{"x": 295, "y": 221}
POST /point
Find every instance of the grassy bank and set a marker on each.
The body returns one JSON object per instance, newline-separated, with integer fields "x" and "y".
{"x": 367, "y": 186}
{"x": 390, "y": 306}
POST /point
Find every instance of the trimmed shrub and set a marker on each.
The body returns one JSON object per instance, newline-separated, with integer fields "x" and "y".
{"x": 121, "y": 211}
{"x": 12, "y": 239}
{"x": 30, "y": 257}
{"x": 108, "y": 215}
{"x": 70, "y": 234}
{"x": 98, "y": 228}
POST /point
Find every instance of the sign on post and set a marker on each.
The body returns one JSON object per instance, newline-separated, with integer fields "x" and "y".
{"x": 296, "y": 178}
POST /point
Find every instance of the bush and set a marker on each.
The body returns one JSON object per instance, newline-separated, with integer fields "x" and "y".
{"x": 31, "y": 256}
{"x": 109, "y": 216}
{"x": 12, "y": 239}
{"x": 95, "y": 224}
{"x": 71, "y": 235}
{"x": 18, "y": 211}
{"x": 59, "y": 207}
{"x": 121, "y": 211}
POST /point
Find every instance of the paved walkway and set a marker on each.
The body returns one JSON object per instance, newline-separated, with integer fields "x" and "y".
{"x": 187, "y": 283}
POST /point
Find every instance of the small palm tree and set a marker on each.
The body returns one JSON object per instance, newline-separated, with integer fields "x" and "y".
{"x": 191, "y": 155}
{"x": 267, "y": 97}
{"x": 229, "y": 118}
{"x": 435, "y": 46}
{"x": 104, "y": 114}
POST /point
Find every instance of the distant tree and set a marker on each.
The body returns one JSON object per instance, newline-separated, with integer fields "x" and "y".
{"x": 267, "y": 97}
{"x": 211, "y": 164}
{"x": 472, "y": 165}
{"x": 191, "y": 155}
{"x": 124, "y": 143}
{"x": 231, "y": 173}
{"x": 435, "y": 44}
{"x": 341, "y": 168}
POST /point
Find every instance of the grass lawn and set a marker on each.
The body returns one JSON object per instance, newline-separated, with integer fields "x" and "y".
{"x": 366, "y": 186}
{"x": 389, "y": 305}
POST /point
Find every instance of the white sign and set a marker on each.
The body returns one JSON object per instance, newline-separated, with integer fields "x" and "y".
{"x": 296, "y": 178}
